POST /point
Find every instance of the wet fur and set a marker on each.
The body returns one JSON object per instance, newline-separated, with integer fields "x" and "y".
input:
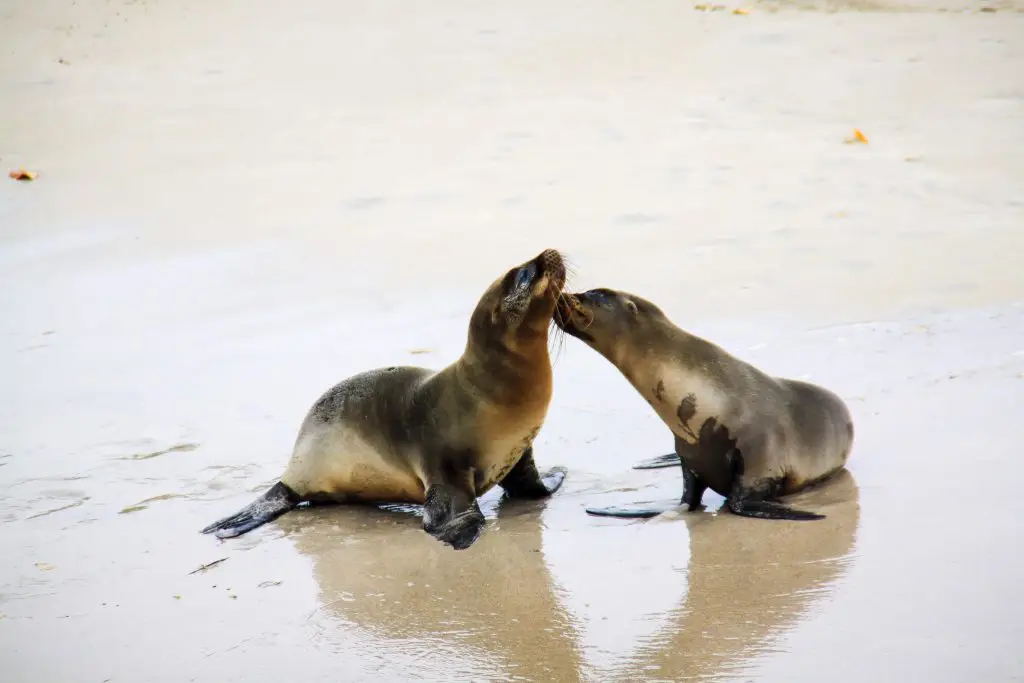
{"x": 746, "y": 435}
{"x": 410, "y": 435}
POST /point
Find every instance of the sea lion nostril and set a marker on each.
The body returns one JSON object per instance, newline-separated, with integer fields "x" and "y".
{"x": 550, "y": 259}
{"x": 552, "y": 265}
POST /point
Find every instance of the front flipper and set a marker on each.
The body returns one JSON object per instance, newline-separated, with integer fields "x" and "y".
{"x": 667, "y": 460}
{"x": 524, "y": 481}
{"x": 636, "y": 511}
{"x": 693, "y": 490}
{"x": 452, "y": 516}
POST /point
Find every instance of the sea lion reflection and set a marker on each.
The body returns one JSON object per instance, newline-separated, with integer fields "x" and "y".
{"x": 491, "y": 612}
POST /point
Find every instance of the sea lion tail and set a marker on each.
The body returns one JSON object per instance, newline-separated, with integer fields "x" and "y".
{"x": 276, "y": 501}
{"x": 766, "y": 509}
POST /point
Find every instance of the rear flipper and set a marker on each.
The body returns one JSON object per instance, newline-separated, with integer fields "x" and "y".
{"x": 639, "y": 511}
{"x": 766, "y": 509}
{"x": 276, "y": 501}
{"x": 753, "y": 496}
{"x": 667, "y": 460}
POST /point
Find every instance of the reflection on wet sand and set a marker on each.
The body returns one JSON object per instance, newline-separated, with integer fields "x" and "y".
{"x": 749, "y": 581}
{"x": 490, "y": 612}
{"x": 494, "y": 613}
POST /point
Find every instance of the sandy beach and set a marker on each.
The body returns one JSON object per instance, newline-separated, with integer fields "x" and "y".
{"x": 240, "y": 203}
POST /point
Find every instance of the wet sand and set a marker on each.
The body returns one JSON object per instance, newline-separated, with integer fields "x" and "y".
{"x": 241, "y": 203}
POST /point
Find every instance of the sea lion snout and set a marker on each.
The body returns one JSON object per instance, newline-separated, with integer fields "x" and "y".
{"x": 551, "y": 264}
{"x": 574, "y": 313}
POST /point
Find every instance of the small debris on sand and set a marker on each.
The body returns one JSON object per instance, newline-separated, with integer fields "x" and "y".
{"x": 180, "y": 448}
{"x": 204, "y": 567}
{"x": 858, "y": 138}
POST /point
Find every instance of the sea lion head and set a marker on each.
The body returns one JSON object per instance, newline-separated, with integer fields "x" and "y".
{"x": 517, "y": 308}
{"x": 609, "y": 321}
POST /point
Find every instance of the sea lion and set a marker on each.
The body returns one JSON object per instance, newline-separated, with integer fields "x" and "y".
{"x": 441, "y": 439}
{"x": 743, "y": 434}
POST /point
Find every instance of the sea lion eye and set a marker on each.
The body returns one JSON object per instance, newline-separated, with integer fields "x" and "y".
{"x": 607, "y": 299}
{"x": 523, "y": 277}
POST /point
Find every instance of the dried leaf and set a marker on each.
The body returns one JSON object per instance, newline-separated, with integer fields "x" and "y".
{"x": 44, "y": 567}
{"x": 22, "y": 174}
{"x": 741, "y": 11}
{"x": 270, "y": 584}
{"x": 857, "y": 138}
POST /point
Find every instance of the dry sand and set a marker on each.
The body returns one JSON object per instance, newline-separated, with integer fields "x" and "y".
{"x": 240, "y": 203}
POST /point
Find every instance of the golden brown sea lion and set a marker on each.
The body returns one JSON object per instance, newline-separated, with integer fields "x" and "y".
{"x": 411, "y": 435}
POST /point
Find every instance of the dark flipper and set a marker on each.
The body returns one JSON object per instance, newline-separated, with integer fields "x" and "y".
{"x": 693, "y": 490}
{"x": 452, "y": 516}
{"x": 766, "y": 509}
{"x": 752, "y": 497}
{"x": 277, "y": 500}
{"x": 524, "y": 481}
{"x": 667, "y": 460}
{"x": 638, "y": 511}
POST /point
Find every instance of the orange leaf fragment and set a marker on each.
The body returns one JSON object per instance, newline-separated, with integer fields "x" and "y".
{"x": 740, "y": 10}
{"x": 857, "y": 138}
{"x": 22, "y": 174}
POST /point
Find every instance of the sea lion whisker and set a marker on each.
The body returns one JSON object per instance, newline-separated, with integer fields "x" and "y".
{"x": 557, "y": 334}
{"x": 590, "y": 320}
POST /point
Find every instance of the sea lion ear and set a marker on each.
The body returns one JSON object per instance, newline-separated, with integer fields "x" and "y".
{"x": 631, "y": 307}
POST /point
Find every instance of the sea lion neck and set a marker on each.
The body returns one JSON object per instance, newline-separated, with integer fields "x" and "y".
{"x": 496, "y": 369}
{"x": 642, "y": 365}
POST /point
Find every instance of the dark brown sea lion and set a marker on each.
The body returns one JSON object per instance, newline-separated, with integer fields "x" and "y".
{"x": 743, "y": 434}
